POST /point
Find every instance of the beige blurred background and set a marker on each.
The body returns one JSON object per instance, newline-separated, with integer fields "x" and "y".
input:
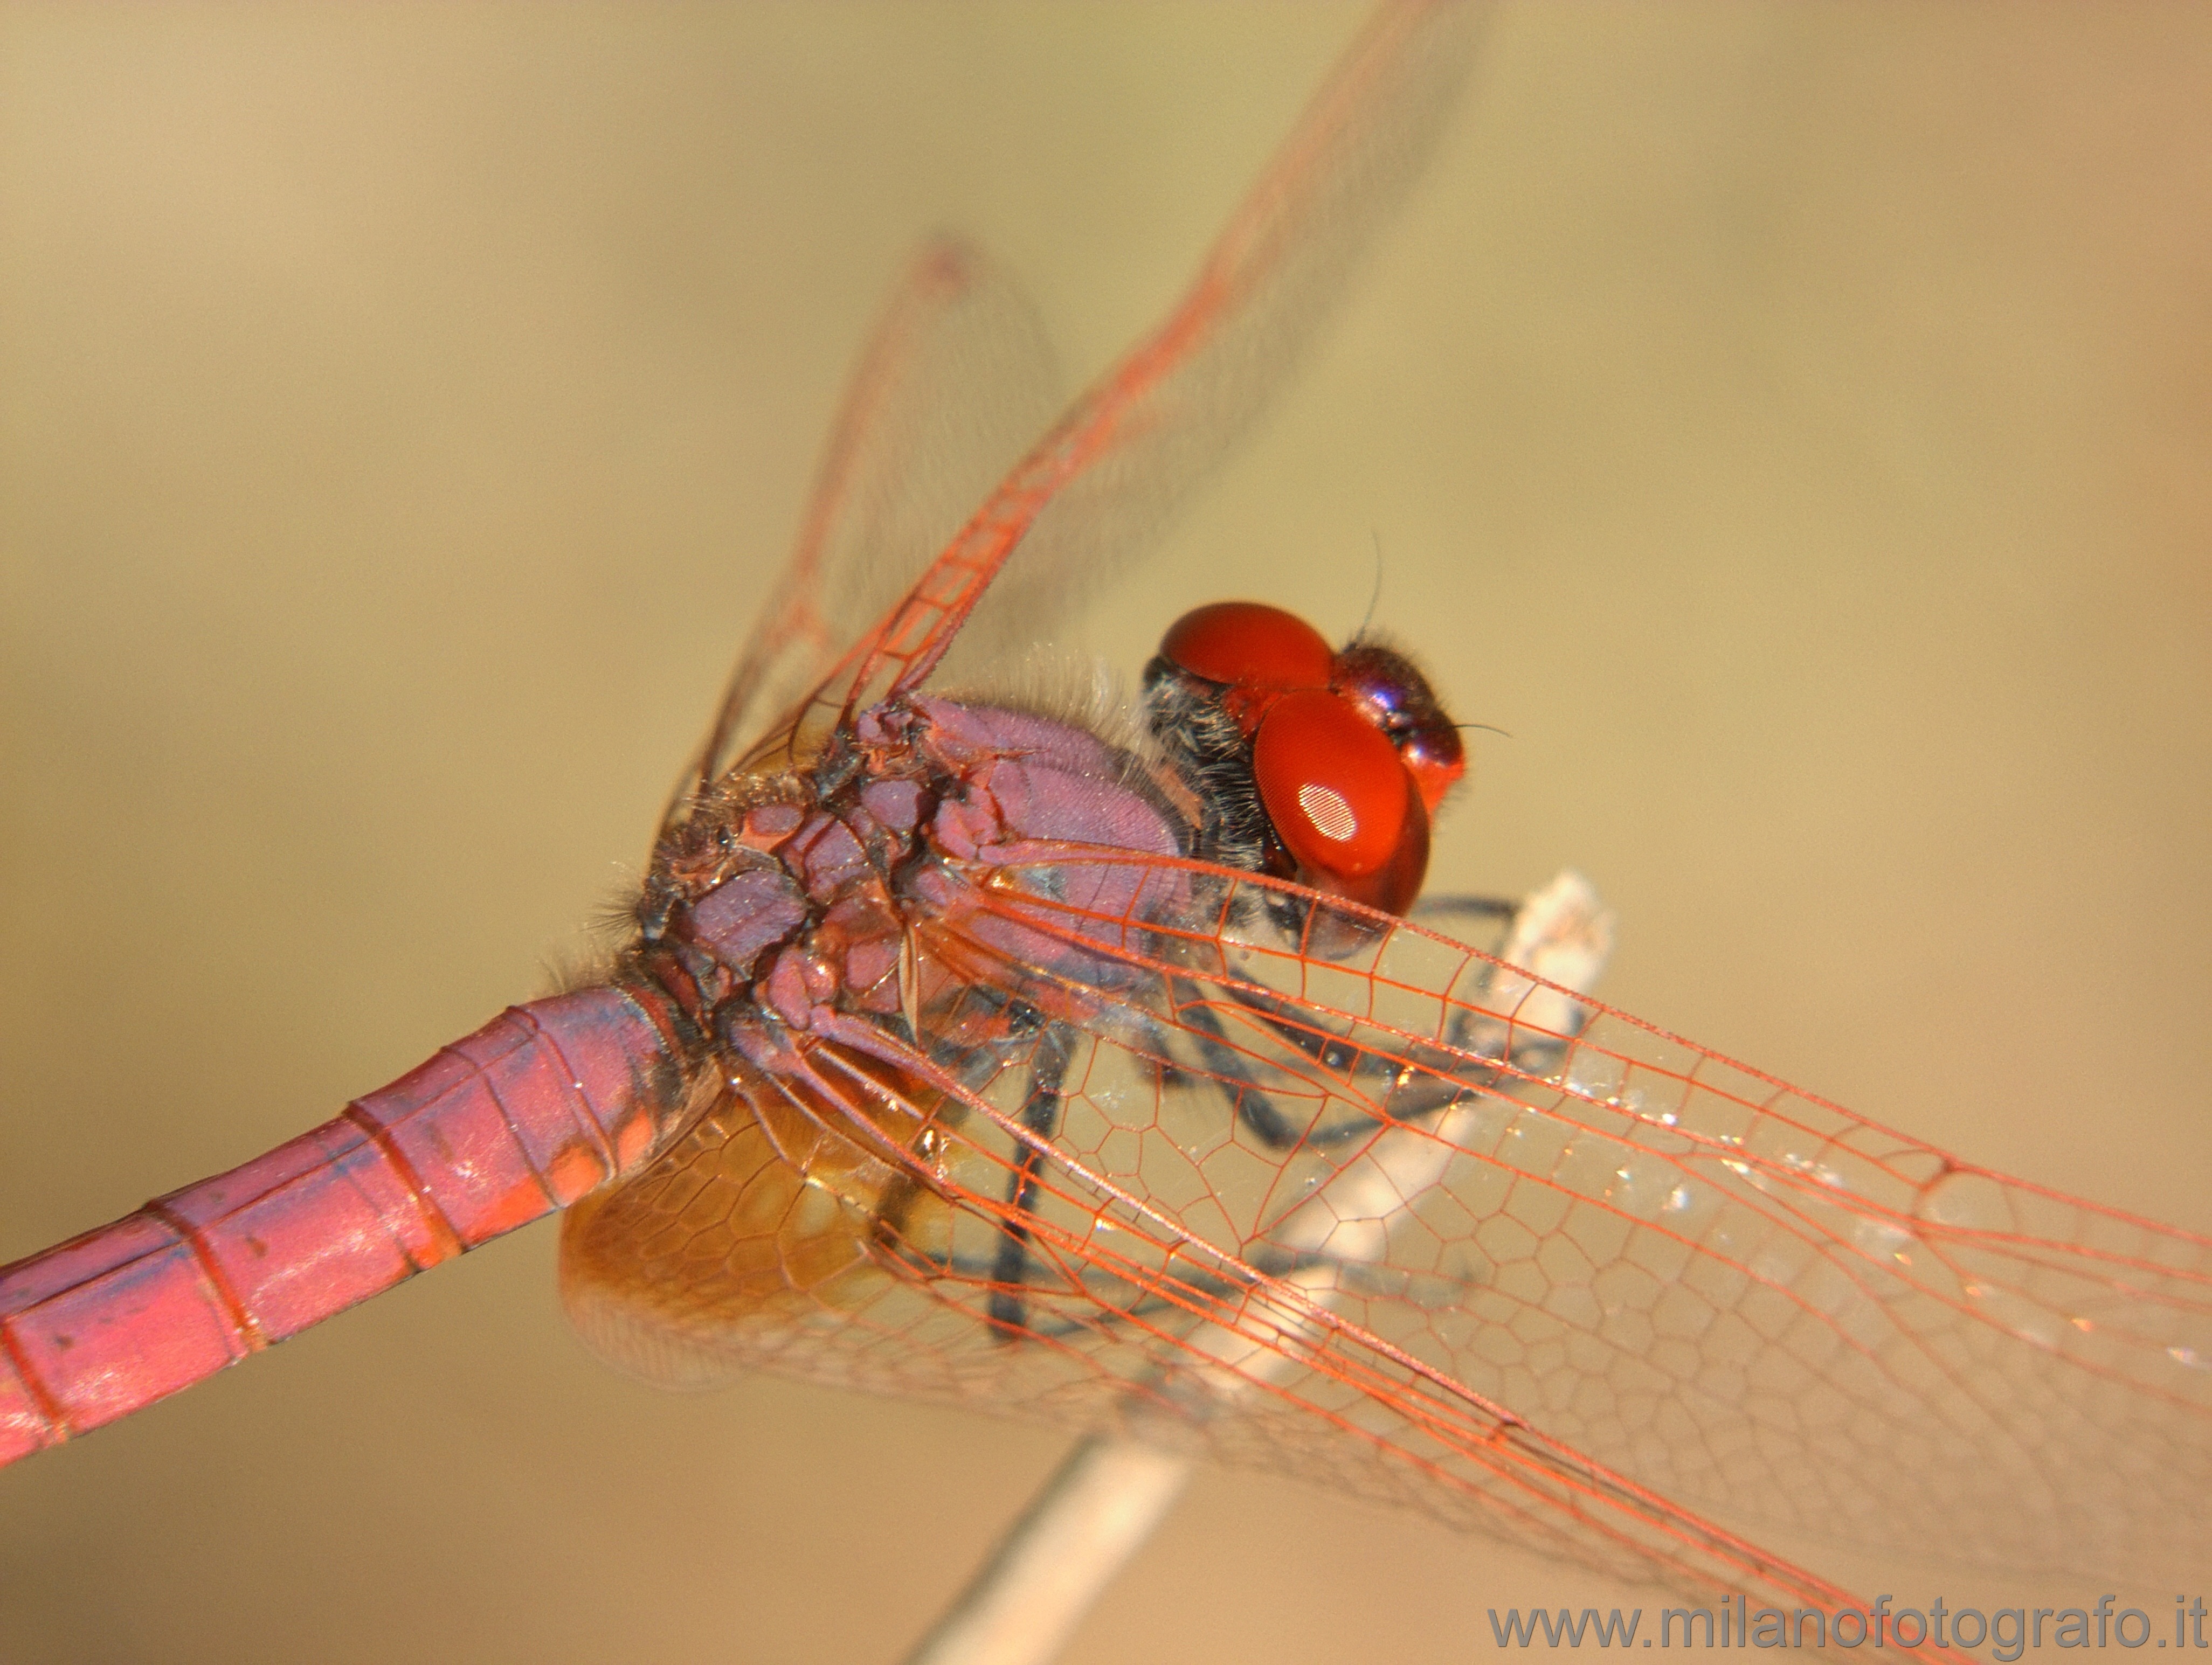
{"x": 1789, "y": 423}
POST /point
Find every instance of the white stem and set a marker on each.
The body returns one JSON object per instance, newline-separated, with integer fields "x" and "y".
{"x": 1087, "y": 1520}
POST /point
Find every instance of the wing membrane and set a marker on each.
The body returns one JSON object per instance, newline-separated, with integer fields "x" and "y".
{"x": 1404, "y": 1222}
{"x": 752, "y": 1245}
{"x": 1732, "y": 1291}
{"x": 1103, "y": 481}
{"x": 958, "y": 378}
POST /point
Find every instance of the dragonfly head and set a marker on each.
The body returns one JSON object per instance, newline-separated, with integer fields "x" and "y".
{"x": 1341, "y": 755}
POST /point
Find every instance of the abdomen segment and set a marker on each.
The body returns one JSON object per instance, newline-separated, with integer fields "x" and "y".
{"x": 541, "y": 1105}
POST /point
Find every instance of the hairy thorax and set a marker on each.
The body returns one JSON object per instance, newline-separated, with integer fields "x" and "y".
{"x": 865, "y": 947}
{"x": 863, "y": 884}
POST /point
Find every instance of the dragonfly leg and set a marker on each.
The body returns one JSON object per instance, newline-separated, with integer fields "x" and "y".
{"x": 1409, "y": 1090}
{"x": 1562, "y": 932}
{"x": 1040, "y": 1114}
{"x": 1104, "y": 1300}
{"x": 1522, "y": 1026}
{"x": 1432, "y": 909}
{"x": 1252, "y": 1107}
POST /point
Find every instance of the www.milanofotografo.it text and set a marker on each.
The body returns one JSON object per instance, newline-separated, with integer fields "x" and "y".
{"x": 2006, "y": 1632}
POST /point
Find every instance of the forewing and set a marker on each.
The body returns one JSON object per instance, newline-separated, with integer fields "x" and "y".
{"x": 1094, "y": 493}
{"x": 1737, "y": 1294}
{"x": 1406, "y": 1221}
{"x": 785, "y": 1232}
{"x": 956, "y": 380}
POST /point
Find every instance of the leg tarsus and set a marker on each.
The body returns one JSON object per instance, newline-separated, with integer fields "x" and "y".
{"x": 1040, "y": 1114}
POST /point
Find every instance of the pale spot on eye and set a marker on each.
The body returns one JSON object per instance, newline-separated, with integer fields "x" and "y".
{"x": 1325, "y": 808}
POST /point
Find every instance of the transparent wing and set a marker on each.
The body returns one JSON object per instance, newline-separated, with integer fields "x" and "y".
{"x": 956, "y": 380}
{"x": 1408, "y": 1222}
{"x": 1092, "y": 494}
{"x": 866, "y": 1219}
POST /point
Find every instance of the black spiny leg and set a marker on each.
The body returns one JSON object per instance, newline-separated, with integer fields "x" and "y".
{"x": 1055, "y": 1048}
{"x": 1413, "y": 1091}
{"x": 1434, "y": 911}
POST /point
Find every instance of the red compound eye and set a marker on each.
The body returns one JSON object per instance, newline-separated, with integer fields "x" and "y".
{"x": 1256, "y": 650}
{"x": 1333, "y": 786}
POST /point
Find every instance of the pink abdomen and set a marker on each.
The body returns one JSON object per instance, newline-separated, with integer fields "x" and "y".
{"x": 538, "y": 1107}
